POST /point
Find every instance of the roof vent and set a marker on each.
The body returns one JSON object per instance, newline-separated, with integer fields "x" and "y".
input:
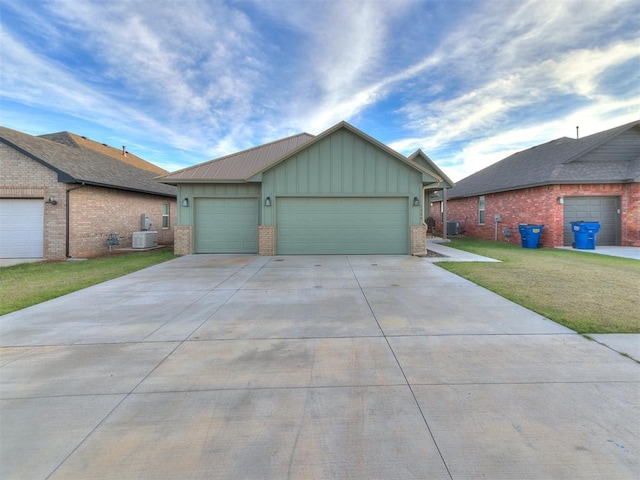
{"x": 124, "y": 150}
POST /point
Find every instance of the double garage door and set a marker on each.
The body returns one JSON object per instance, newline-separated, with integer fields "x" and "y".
{"x": 342, "y": 226}
{"x": 305, "y": 225}
{"x": 605, "y": 210}
{"x": 21, "y": 228}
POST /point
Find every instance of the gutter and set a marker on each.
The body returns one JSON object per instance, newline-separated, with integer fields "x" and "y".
{"x": 67, "y": 206}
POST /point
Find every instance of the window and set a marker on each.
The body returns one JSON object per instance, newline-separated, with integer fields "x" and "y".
{"x": 481, "y": 209}
{"x": 165, "y": 215}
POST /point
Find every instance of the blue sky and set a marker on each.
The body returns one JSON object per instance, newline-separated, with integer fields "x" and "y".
{"x": 180, "y": 82}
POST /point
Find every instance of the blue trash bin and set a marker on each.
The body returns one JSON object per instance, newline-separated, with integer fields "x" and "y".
{"x": 584, "y": 234}
{"x": 530, "y": 235}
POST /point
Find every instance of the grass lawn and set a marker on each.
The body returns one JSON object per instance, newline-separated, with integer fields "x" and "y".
{"x": 26, "y": 284}
{"x": 588, "y": 293}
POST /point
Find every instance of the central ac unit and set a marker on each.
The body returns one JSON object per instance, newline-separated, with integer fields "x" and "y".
{"x": 145, "y": 239}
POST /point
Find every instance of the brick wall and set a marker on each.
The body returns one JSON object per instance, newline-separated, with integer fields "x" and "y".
{"x": 97, "y": 212}
{"x": 22, "y": 177}
{"x": 266, "y": 240}
{"x": 631, "y": 215}
{"x": 183, "y": 244}
{"x": 418, "y": 240}
{"x": 539, "y": 205}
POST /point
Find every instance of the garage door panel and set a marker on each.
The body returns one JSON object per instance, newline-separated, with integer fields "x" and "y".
{"x": 21, "y": 228}
{"x": 593, "y": 209}
{"x": 342, "y": 226}
{"x": 226, "y": 225}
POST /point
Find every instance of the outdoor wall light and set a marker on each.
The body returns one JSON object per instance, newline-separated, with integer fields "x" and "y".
{"x": 267, "y": 202}
{"x": 185, "y": 202}
{"x": 416, "y": 202}
{"x": 560, "y": 200}
{"x": 52, "y": 201}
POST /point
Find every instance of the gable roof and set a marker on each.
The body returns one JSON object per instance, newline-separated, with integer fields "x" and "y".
{"x": 420, "y": 157}
{"x": 84, "y": 165}
{"x": 249, "y": 164}
{"x": 564, "y": 160}
{"x": 239, "y": 166}
{"x": 73, "y": 140}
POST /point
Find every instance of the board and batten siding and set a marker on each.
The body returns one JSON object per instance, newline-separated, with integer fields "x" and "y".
{"x": 214, "y": 190}
{"x": 342, "y": 165}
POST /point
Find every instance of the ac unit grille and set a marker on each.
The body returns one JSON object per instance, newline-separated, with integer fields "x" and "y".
{"x": 144, "y": 239}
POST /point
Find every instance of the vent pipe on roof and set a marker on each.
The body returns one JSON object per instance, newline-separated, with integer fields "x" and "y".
{"x": 577, "y": 132}
{"x": 124, "y": 151}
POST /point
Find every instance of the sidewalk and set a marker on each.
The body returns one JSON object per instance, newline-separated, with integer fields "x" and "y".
{"x": 624, "y": 252}
{"x": 438, "y": 245}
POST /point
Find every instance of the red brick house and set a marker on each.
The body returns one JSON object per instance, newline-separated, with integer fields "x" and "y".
{"x": 62, "y": 196}
{"x": 594, "y": 178}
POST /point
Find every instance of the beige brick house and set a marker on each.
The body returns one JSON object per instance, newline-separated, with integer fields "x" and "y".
{"x": 62, "y": 196}
{"x": 595, "y": 179}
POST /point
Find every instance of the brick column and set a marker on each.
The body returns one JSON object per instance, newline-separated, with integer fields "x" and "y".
{"x": 418, "y": 240}
{"x": 266, "y": 240}
{"x": 182, "y": 240}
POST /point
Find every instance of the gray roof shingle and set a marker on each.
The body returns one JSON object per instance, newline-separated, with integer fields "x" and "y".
{"x": 84, "y": 165}
{"x": 73, "y": 140}
{"x": 564, "y": 160}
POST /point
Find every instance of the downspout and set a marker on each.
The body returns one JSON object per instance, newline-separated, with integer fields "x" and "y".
{"x": 67, "y": 206}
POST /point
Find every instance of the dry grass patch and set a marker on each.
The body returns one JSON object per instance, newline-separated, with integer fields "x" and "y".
{"x": 588, "y": 293}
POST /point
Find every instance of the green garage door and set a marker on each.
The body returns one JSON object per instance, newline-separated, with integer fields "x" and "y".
{"x": 226, "y": 225}
{"x": 342, "y": 226}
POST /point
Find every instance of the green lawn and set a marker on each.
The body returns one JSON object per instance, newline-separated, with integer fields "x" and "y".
{"x": 30, "y": 283}
{"x": 588, "y": 293}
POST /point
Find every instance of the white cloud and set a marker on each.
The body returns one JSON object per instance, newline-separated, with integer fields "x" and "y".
{"x": 41, "y": 83}
{"x": 215, "y": 77}
{"x": 344, "y": 46}
{"x": 537, "y": 63}
{"x": 480, "y": 152}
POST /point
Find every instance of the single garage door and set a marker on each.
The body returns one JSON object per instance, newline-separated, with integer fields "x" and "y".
{"x": 342, "y": 226}
{"x": 226, "y": 225}
{"x": 605, "y": 210}
{"x": 21, "y": 228}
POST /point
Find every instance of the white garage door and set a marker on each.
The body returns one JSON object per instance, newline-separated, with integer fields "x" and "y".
{"x": 21, "y": 228}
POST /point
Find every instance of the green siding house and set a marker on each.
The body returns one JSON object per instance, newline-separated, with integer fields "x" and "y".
{"x": 341, "y": 192}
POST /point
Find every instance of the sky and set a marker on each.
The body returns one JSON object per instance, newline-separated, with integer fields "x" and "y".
{"x": 180, "y": 82}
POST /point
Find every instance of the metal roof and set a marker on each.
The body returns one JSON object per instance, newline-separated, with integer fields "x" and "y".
{"x": 241, "y": 165}
{"x": 443, "y": 180}
{"x": 84, "y": 165}
{"x": 556, "y": 162}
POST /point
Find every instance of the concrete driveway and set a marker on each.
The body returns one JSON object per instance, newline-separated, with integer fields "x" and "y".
{"x": 346, "y": 367}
